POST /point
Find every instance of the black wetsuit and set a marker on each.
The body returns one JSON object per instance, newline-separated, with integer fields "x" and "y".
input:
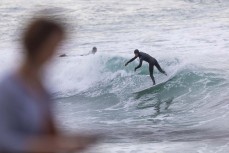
{"x": 152, "y": 61}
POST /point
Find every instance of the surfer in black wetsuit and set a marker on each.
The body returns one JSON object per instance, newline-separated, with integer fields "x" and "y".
{"x": 145, "y": 57}
{"x": 93, "y": 51}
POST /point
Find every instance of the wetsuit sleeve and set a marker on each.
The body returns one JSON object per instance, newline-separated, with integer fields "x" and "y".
{"x": 140, "y": 64}
{"x": 85, "y": 54}
{"x": 131, "y": 60}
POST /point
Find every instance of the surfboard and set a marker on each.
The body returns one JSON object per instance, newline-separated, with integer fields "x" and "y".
{"x": 147, "y": 89}
{"x": 150, "y": 88}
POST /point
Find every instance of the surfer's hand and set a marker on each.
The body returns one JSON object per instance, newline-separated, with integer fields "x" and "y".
{"x": 126, "y": 64}
{"x": 135, "y": 69}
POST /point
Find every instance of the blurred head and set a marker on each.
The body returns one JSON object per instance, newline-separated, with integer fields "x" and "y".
{"x": 136, "y": 52}
{"x": 41, "y": 40}
{"x": 94, "y": 50}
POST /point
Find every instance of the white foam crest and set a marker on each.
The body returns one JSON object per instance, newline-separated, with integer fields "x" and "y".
{"x": 73, "y": 74}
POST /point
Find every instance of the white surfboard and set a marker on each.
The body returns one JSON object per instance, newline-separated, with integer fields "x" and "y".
{"x": 149, "y": 88}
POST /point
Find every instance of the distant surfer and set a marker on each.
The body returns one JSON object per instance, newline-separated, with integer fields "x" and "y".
{"x": 93, "y": 51}
{"x": 62, "y": 55}
{"x": 145, "y": 57}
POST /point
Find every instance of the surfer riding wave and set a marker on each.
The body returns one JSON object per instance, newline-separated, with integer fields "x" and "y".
{"x": 152, "y": 62}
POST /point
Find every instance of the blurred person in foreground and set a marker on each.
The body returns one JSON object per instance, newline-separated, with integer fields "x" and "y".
{"x": 26, "y": 122}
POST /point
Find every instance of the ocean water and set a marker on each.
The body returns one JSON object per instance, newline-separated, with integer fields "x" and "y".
{"x": 187, "y": 113}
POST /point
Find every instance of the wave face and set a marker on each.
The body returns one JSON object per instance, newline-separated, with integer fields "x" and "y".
{"x": 187, "y": 111}
{"x": 190, "y": 104}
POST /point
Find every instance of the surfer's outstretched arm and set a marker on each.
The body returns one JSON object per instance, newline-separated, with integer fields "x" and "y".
{"x": 131, "y": 60}
{"x": 140, "y": 64}
{"x": 85, "y": 54}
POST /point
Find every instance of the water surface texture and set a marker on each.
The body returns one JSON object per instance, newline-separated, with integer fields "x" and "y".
{"x": 187, "y": 113}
